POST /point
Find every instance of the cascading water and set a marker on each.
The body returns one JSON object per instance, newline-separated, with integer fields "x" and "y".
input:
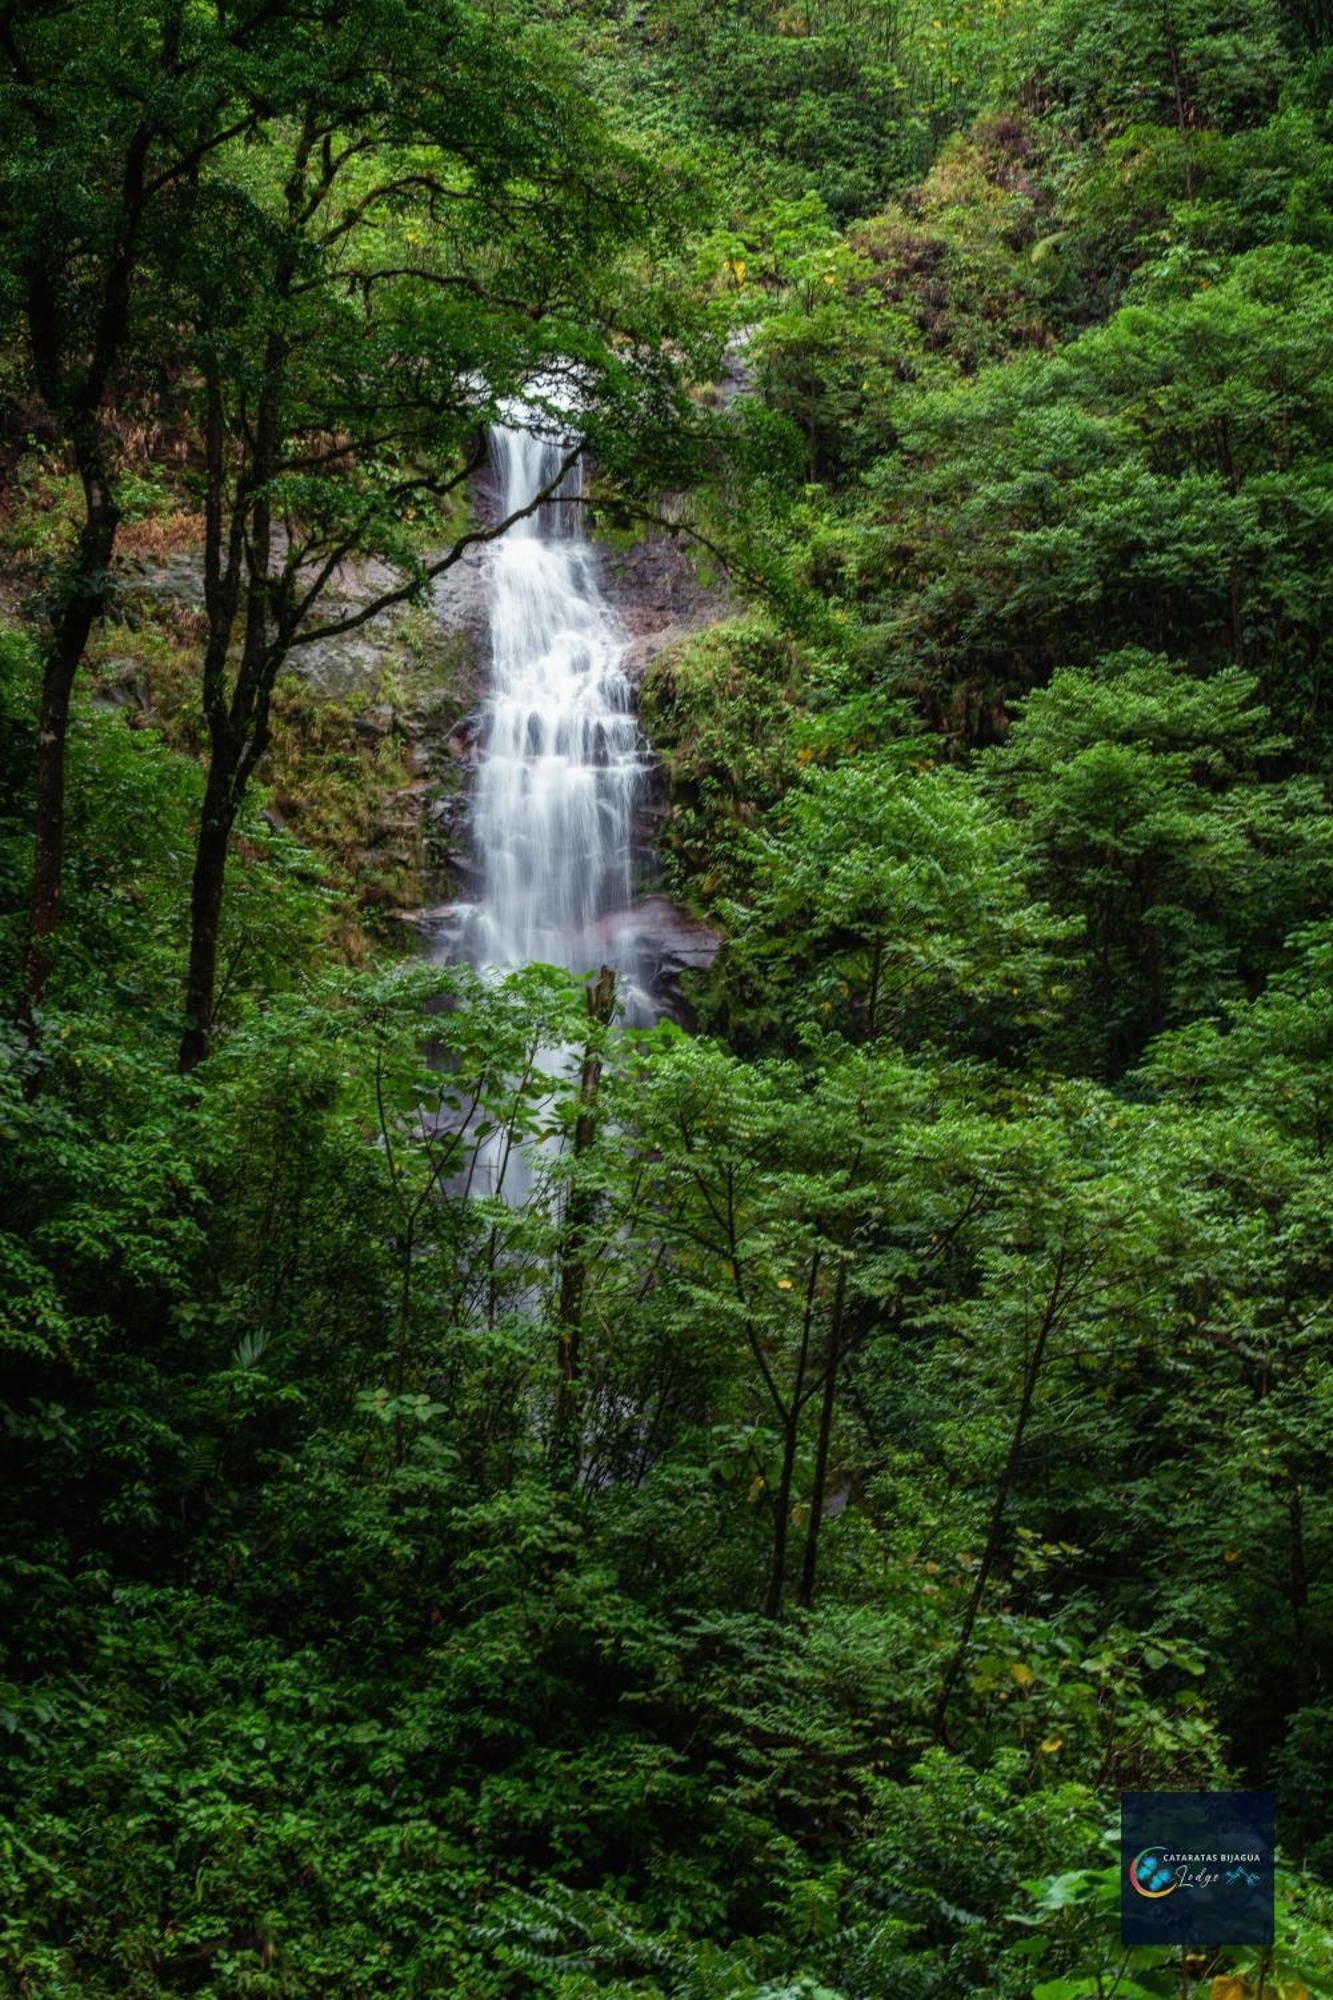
{"x": 559, "y": 780}
{"x": 559, "y": 773}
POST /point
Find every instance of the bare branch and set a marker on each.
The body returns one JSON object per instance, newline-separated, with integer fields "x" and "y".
{"x": 475, "y": 537}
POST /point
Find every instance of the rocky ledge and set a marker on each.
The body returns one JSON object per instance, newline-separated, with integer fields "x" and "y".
{"x": 662, "y": 939}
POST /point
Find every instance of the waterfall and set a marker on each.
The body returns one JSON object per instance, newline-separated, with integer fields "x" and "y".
{"x": 559, "y": 771}
{"x": 558, "y": 783}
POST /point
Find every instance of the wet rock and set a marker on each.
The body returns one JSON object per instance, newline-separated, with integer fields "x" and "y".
{"x": 462, "y": 741}
{"x": 657, "y": 594}
{"x": 173, "y": 579}
{"x": 123, "y": 684}
{"x": 442, "y": 930}
{"x": 335, "y": 667}
{"x": 400, "y": 812}
{"x": 668, "y": 944}
{"x": 448, "y": 835}
{"x": 648, "y": 647}
{"x": 460, "y": 603}
{"x": 449, "y": 815}
{"x": 378, "y": 723}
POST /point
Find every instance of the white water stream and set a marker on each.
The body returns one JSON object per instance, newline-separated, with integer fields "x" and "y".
{"x": 559, "y": 773}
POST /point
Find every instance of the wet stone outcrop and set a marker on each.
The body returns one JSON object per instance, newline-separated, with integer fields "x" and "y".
{"x": 659, "y": 598}
{"x": 669, "y": 945}
{"x": 417, "y": 675}
{"x": 410, "y": 679}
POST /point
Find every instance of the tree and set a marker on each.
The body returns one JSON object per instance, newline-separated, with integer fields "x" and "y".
{"x": 1161, "y": 481}
{"x": 107, "y": 120}
{"x": 431, "y": 241}
{"x": 1184, "y": 62}
{"x": 1144, "y": 800}
{"x": 790, "y": 1213}
{"x": 887, "y": 896}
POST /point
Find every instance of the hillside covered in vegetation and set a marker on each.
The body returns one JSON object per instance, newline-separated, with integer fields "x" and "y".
{"x": 745, "y": 1555}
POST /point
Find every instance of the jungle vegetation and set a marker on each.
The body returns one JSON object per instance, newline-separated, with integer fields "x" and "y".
{"x": 901, "y": 1418}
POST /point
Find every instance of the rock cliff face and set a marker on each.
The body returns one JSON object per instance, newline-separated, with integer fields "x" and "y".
{"x": 658, "y": 598}
{"x": 386, "y": 704}
{"x": 417, "y": 677}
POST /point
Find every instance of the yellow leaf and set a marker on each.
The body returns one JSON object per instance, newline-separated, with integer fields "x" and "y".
{"x": 784, "y": 1284}
{"x": 932, "y": 1569}
{"x": 1051, "y": 1745}
{"x": 1232, "y": 1555}
{"x": 757, "y": 1485}
{"x": 1023, "y": 1675}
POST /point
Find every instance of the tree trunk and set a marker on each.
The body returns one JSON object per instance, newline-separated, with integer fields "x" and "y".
{"x": 49, "y": 828}
{"x": 210, "y": 871}
{"x": 83, "y": 605}
{"x": 791, "y": 1431}
{"x": 75, "y": 401}
{"x": 1178, "y": 87}
{"x": 872, "y": 998}
{"x": 1298, "y": 1589}
{"x": 805, "y": 1595}
{"x": 238, "y": 729}
{"x": 777, "y": 1574}
{"x": 601, "y": 1000}
{"x": 995, "y": 1532}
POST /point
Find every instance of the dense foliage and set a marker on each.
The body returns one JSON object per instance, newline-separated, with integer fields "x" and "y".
{"x": 744, "y": 1550}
